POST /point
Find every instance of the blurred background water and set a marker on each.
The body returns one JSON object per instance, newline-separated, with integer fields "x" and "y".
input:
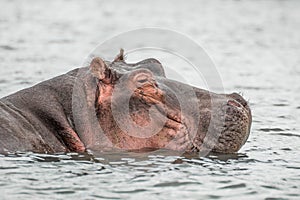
{"x": 255, "y": 46}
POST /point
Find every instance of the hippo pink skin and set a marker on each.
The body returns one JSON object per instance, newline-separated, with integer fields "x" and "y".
{"x": 43, "y": 119}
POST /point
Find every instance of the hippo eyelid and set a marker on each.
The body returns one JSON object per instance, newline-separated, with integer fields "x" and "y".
{"x": 142, "y": 78}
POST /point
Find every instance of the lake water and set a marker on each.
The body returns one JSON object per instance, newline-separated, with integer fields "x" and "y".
{"x": 255, "y": 46}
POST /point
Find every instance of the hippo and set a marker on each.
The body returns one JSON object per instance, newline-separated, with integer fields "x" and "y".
{"x": 127, "y": 106}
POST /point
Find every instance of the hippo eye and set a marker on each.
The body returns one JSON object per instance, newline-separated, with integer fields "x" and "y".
{"x": 142, "y": 79}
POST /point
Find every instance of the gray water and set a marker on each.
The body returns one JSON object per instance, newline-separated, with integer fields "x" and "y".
{"x": 255, "y": 46}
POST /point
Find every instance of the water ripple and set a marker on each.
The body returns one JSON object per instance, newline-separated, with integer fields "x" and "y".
{"x": 240, "y": 185}
{"x": 271, "y": 129}
{"x": 175, "y": 184}
{"x": 288, "y": 134}
{"x": 7, "y": 47}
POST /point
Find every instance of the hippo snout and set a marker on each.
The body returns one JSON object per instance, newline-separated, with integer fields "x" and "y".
{"x": 224, "y": 124}
{"x": 237, "y": 124}
{"x": 238, "y": 98}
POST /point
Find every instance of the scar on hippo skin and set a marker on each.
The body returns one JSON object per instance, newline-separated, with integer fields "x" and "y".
{"x": 42, "y": 119}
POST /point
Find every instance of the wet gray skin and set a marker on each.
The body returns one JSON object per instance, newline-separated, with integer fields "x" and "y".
{"x": 135, "y": 107}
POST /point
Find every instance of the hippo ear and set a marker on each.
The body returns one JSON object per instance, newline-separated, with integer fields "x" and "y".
{"x": 99, "y": 69}
{"x": 120, "y": 56}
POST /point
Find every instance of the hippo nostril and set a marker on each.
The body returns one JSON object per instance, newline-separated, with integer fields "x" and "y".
{"x": 233, "y": 103}
{"x": 239, "y": 99}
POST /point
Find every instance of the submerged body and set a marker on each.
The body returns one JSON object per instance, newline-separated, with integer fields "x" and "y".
{"x": 124, "y": 106}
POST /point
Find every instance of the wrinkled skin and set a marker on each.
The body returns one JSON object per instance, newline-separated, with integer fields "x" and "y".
{"x": 133, "y": 106}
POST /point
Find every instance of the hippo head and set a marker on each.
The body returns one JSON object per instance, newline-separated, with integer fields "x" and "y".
{"x": 138, "y": 107}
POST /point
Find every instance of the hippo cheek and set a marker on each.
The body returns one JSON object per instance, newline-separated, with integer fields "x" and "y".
{"x": 172, "y": 132}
